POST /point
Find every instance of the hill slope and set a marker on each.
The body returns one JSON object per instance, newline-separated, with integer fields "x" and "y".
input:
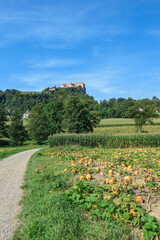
{"x": 14, "y": 99}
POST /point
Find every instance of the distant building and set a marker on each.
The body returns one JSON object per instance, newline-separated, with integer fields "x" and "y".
{"x": 141, "y": 109}
{"x": 52, "y": 89}
{"x": 80, "y": 84}
{"x": 26, "y": 114}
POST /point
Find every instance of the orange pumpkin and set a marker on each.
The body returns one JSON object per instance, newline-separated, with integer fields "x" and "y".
{"x": 107, "y": 180}
{"x": 111, "y": 181}
{"x": 82, "y": 178}
{"x": 116, "y": 191}
{"x": 88, "y": 176}
{"x": 139, "y": 199}
{"x": 110, "y": 172}
{"x": 127, "y": 179}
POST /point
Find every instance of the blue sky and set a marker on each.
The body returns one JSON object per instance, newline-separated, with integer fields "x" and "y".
{"x": 113, "y": 46}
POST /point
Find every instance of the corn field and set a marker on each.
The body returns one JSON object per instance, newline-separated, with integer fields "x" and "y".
{"x": 94, "y": 140}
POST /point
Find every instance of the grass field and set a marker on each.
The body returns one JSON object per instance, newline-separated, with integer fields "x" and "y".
{"x": 126, "y": 130}
{"x": 121, "y": 126}
{"x": 67, "y": 194}
{"x": 110, "y": 121}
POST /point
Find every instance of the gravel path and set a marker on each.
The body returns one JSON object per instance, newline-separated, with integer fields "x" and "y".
{"x": 11, "y": 176}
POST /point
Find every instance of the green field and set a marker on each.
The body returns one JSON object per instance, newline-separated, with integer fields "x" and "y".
{"x": 126, "y": 130}
{"x": 121, "y": 126}
{"x": 111, "y": 121}
{"x": 122, "y": 121}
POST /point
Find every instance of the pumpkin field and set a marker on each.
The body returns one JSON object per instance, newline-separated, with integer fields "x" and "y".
{"x": 117, "y": 191}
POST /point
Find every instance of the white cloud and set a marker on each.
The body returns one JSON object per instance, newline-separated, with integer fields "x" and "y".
{"x": 52, "y": 63}
{"x": 98, "y": 81}
{"x": 154, "y": 32}
{"x": 62, "y": 21}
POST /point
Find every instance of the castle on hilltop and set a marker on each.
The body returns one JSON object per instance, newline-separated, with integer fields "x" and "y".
{"x": 80, "y": 84}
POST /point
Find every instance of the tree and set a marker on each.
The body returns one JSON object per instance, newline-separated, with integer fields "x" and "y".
{"x": 54, "y": 116}
{"x": 155, "y": 99}
{"x": 77, "y": 118}
{"x": 37, "y": 124}
{"x": 3, "y": 126}
{"x": 16, "y": 131}
{"x": 142, "y": 112}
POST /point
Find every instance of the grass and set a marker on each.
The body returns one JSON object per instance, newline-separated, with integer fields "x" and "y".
{"x": 123, "y": 126}
{"x": 110, "y": 121}
{"x": 7, "y": 151}
{"x": 46, "y": 211}
{"x": 123, "y": 130}
{"x": 122, "y": 121}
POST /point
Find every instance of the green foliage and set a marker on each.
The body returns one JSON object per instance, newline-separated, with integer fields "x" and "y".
{"x": 37, "y": 124}
{"x": 115, "y": 108}
{"x": 16, "y": 130}
{"x": 77, "y": 117}
{"x": 90, "y": 197}
{"x": 54, "y": 113}
{"x": 142, "y": 112}
{"x": 3, "y": 126}
{"x": 91, "y": 140}
{"x": 12, "y": 99}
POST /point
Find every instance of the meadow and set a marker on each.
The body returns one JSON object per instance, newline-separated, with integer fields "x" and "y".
{"x": 122, "y": 121}
{"x": 123, "y": 126}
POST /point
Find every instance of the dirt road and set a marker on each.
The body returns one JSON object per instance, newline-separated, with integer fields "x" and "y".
{"x": 12, "y": 170}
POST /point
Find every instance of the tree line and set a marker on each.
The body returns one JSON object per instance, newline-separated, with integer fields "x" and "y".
{"x": 11, "y": 100}
{"x": 72, "y": 116}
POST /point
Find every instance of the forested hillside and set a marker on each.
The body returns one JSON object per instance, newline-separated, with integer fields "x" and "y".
{"x": 11, "y": 100}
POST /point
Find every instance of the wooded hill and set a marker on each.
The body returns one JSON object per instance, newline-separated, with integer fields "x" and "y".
{"x": 11, "y": 100}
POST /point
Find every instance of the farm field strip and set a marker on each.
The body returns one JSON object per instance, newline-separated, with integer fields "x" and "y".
{"x": 111, "y": 121}
{"x": 121, "y": 184}
{"x": 123, "y": 130}
{"x": 47, "y": 213}
{"x": 110, "y": 187}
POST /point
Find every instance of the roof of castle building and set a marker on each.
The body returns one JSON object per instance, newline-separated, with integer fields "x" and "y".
{"x": 65, "y": 85}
